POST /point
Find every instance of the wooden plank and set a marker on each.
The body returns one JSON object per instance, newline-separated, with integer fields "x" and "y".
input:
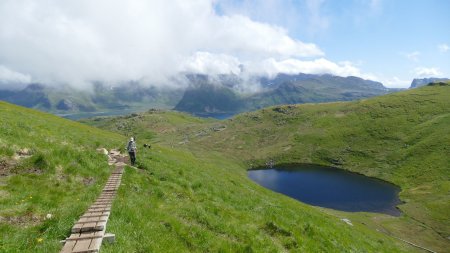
{"x": 95, "y": 214}
{"x": 101, "y": 209}
{"x": 82, "y": 246}
{"x": 100, "y": 205}
{"x": 91, "y": 221}
{"x": 68, "y": 247}
{"x": 95, "y": 244}
{"x": 90, "y": 226}
{"x": 89, "y": 231}
{"x": 76, "y": 228}
{"x": 84, "y": 238}
{"x": 103, "y": 217}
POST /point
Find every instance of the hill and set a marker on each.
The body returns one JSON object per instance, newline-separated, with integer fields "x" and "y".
{"x": 49, "y": 174}
{"x": 102, "y": 98}
{"x": 177, "y": 201}
{"x": 217, "y": 95}
{"x": 419, "y": 82}
{"x": 402, "y": 138}
{"x": 225, "y": 94}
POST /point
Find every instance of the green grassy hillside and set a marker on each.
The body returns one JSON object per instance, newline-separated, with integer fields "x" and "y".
{"x": 402, "y": 138}
{"x": 48, "y": 165}
{"x": 178, "y": 201}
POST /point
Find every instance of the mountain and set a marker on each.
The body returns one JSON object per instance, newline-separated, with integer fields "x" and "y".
{"x": 66, "y": 100}
{"x": 205, "y": 94}
{"x": 400, "y": 137}
{"x": 283, "y": 89}
{"x": 209, "y": 97}
{"x": 175, "y": 201}
{"x": 417, "y": 82}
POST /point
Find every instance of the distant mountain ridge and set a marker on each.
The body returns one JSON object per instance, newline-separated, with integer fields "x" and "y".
{"x": 418, "y": 82}
{"x": 282, "y": 89}
{"x": 101, "y": 98}
{"x": 225, "y": 93}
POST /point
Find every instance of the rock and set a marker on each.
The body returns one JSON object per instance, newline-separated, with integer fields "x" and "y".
{"x": 114, "y": 152}
{"x": 24, "y": 152}
{"x": 424, "y": 81}
{"x": 66, "y": 105}
{"x": 347, "y": 221}
{"x": 102, "y": 151}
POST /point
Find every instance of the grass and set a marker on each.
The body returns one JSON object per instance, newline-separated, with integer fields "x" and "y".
{"x": 191, "y": 192}
{"x": 177, "y": 201}
{"x": 58, "y": 173}
{"x": 402, "y": 138}
{"x": 181, "y": 202}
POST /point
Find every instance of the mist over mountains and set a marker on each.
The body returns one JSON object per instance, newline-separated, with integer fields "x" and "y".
{"x": 197, "y": 93}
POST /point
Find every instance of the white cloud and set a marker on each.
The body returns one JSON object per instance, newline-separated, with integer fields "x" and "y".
{"x": 207, "y": 63}
{"x": 271, "y": 67}
{"x": 413, "y": 56}
{"x": 9, "y": 76}
{"x": 286, "y": 13}
{"x": 396, "y": 82}
{"x": 443, "y": 48}
{"x": 204, "y": 63}
{"x": 427, "y": 72}
{"x": 79, "y": 41}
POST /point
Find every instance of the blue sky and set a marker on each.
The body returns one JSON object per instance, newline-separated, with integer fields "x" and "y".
{"x": 395, "y": 40}
{"x": 75, "y": 42}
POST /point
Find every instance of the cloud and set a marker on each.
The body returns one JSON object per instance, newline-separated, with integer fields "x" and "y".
{"x": 413, "y": 56}
{"x": 396, "y": 82}
{"x": 76, "y": 42}
{"x": 270, "y": 67}
{"x": 427, "y": 72}
{"x": 443, "y": 48}
{"x": 7, "y": 75}
{"x": 286, "y": 13}
{"x": 207, "y": 63}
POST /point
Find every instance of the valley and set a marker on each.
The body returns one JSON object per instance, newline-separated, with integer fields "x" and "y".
{"x": 400, "y": 138}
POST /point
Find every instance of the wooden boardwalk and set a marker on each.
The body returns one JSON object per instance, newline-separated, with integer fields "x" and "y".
{"x": 90, "y": 230}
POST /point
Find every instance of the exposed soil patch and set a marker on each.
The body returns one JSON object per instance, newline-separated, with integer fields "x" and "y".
{"x": 6, "y": 167}
{"x": 28, "y": 219}
{"x": 35, "y": 171}
{"x": 88, "y": 181}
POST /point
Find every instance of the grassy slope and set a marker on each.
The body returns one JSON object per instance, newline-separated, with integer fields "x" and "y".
{"x": 179, "y": 202}
{"x": 63, "y": 175}
{"x": 183, "y": 202}
{"x": 402, "y": 138}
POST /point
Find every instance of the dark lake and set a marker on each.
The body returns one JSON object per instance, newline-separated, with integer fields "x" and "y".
{"x": 331, "y": 188}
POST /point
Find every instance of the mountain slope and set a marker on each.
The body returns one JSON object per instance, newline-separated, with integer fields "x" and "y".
{"x": 65, "y": 100}
{"x": 48, "y": 165}
{"x": 176, "y": 202}
{"x": 213, "y": 95}
{"x": 402, "y": 138}
{"x": 419, "y": 82}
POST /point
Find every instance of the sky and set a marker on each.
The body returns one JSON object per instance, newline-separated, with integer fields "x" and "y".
{"x": 76, "y": 42}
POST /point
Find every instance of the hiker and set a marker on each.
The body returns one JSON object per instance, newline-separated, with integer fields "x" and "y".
{"x": 131, "y": 148}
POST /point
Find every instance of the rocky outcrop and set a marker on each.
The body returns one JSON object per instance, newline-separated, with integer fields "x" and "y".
{"x": 418, "y": 82}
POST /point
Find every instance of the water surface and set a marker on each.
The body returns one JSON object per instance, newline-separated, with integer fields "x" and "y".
{"x": 331, "y": 188}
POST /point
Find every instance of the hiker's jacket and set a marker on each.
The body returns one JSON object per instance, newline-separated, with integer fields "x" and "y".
{"x": 131, "y": 146}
